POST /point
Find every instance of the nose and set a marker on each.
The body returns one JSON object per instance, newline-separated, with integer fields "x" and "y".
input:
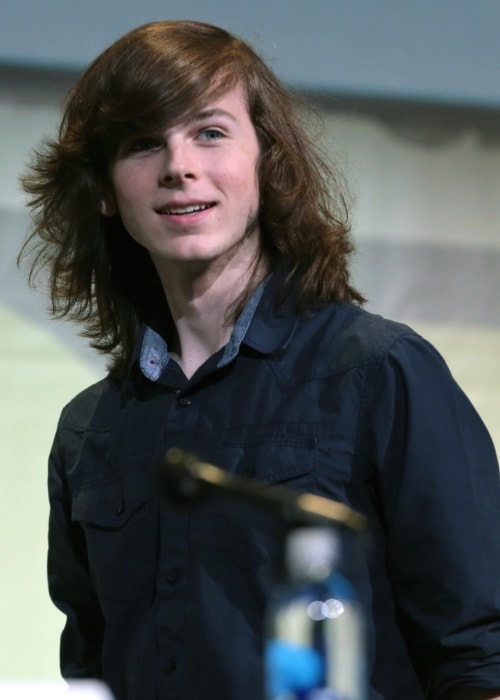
{"x": 179, "y": 163}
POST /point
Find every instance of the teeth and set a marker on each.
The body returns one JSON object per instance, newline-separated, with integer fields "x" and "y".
{"x": 186, "y": 210}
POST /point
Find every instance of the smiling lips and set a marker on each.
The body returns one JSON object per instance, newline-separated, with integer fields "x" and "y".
{"x": 187, "y": 209}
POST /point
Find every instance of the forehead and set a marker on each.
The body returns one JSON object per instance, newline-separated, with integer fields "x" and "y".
{"x": 231, "y": 104}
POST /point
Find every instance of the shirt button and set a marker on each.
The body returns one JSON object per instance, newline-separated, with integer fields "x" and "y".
{"x": 173, "y": 576}
{"x": 120, "y": 507}
{"x": 184, "y": 401}
{"x": 169, "y": 666}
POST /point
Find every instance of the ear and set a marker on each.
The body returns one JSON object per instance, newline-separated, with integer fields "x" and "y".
{"x": 107, "y": 206}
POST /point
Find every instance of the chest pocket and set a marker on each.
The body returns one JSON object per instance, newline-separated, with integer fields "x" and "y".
{"x": 247, "y": 539}
{"x": 288, "y": 460}
{"x": 120, "y": 534}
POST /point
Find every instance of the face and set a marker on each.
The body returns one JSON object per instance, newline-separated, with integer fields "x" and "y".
{"x": 190, "y": 194}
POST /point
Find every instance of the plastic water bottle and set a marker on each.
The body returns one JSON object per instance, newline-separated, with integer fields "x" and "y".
{"x": 314, "y": 636}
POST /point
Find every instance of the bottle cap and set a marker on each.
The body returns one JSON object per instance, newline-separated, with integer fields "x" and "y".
{"x": 312, "y": 552}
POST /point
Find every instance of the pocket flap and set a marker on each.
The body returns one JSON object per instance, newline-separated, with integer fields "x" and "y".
{"x": 284, "y": 463}
{"x": 281, "y": 473}
{"x": 109, "y": 504}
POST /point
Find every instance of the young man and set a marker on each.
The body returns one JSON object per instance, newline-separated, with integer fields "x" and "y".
{"x": 192, "y": 227}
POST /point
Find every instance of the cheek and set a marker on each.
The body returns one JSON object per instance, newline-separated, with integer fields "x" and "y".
{"x": 130, "y": 201}
{"x": 125, "y": 193}
{"x": 254, "y": 194}
{"x": 245, "y": 184}
{"x": 128, "y": 184}
{"x": 129, "y": 213}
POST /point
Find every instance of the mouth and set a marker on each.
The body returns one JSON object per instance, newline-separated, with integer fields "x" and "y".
{"x": 184, "y": 210}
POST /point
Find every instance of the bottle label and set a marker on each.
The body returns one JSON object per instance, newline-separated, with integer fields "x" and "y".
{"x": 295, "y": 672}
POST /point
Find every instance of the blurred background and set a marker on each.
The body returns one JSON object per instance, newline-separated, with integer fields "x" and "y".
{"x": 410, "y": 96}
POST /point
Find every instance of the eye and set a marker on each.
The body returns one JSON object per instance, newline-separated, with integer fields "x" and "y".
{"x": 143, "y": 143}
{"x": 211, "y": 135}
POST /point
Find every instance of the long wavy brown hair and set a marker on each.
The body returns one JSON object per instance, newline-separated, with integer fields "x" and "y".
{"x": 97, "y": 274}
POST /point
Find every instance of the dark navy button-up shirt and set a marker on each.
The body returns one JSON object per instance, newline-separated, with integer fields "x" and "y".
{"x": 166, "y": 602}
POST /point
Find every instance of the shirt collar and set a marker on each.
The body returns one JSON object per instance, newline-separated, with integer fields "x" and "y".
{"x": 274, "y": 323}
{"x": 260, "y": 326}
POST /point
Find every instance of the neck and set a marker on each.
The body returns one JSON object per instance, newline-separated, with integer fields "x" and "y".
{"x": 200, "y": 301}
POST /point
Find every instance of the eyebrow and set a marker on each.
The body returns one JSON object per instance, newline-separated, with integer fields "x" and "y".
{"x": 209, "y": 113}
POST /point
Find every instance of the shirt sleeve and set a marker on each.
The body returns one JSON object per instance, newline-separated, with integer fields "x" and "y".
{"x": 439, "y": 492}
{"x": 69, "y": 580}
